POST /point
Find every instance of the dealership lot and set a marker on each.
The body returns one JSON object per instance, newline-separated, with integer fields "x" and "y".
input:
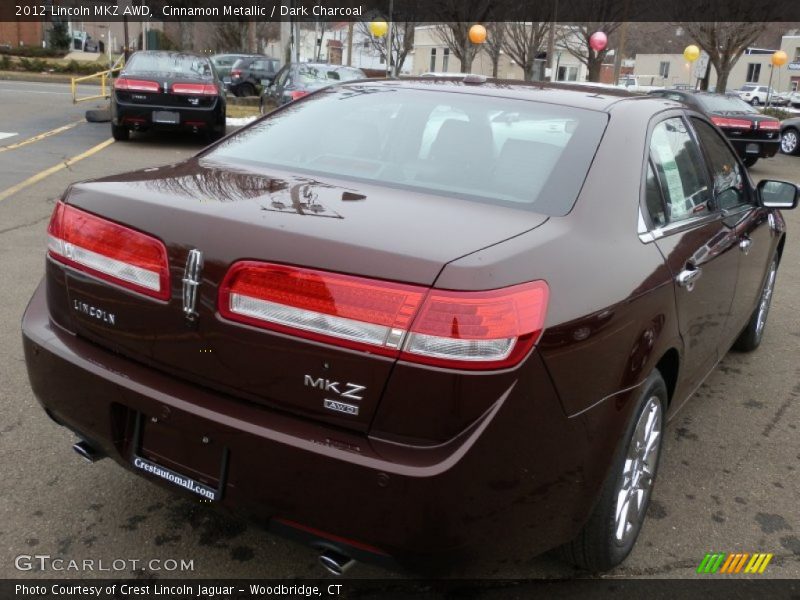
{"x": 728, "y": 480}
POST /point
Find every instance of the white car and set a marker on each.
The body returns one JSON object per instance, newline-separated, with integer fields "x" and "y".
{"x": 755, "y": 94}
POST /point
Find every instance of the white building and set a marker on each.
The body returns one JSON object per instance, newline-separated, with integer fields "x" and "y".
{"x": 754, "y": 66}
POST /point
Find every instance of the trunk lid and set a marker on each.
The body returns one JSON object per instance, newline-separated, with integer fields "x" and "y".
{"x": 231, "y": 214}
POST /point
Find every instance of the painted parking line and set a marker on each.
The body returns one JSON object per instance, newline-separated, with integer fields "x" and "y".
{"x": 41, "y": 136}
{"x": 54, "y": 169}
{"x": 4, "y": 135}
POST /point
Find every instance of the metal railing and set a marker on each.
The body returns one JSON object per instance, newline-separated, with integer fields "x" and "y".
{"x": 103, "y": 76}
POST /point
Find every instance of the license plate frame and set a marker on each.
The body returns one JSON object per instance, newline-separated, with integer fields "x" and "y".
{"x": 166, "y": 117}
{"x": 146, "y": 465}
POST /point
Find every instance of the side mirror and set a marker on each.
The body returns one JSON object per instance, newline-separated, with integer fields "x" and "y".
{"x": 778, "y": 194}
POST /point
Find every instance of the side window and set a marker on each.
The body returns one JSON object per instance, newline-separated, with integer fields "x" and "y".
{"x": 257, "y": 65}
{"x": 280, "y": 78}
{"x": 729, "y": 188}
{"x": 654, "y": 199}
{"x": 679, "y": 167}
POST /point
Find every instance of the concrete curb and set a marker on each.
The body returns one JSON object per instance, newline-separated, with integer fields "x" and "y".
{"x": 40, "y": 77}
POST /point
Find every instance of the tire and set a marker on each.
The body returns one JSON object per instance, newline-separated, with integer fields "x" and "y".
{"x": 120, "y": 133}
{"x": 790, "y": 141}
{"x": 245, "y": 90}
{"x": 749, "y": 161}
{"x": 606, "y": 540}
{"x": 753, "y": 333}
{"x": 754, "y": 102}
{"x": 215, "y": 134}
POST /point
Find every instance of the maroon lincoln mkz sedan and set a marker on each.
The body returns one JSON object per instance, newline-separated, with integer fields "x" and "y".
{"x": 408, "y": 320}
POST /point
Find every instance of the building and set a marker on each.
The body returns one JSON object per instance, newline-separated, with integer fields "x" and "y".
{"x": 753, "y": 67}
{"x": 17, "y": 33}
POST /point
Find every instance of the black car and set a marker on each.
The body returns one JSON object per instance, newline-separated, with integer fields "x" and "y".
{"x": 296, "y": 80}
{"x": 249, "y": 73}
{"x": 752, "y": 134}
{"x": 223, "y": 63}
{"x": 171, "y": 90}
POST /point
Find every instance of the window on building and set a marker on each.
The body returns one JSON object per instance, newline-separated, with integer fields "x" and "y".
{"x": 753, "y": 72}
{"x": 445, "y": 59}
{"x": 433, "y": 60}
{"x": 797, "y": 54}
{"x": 567, "y": 74}
{"x": 663, "y": 68}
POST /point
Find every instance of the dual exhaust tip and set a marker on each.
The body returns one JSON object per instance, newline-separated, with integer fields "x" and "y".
{"x": 87, "y": 452}
{"x": 335, "y": 562}
{"x": 331, "y": 560}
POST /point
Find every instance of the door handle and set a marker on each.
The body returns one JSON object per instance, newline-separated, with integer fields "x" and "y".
{"x": 688, "y": 277}
{"x": 744, "y": 245}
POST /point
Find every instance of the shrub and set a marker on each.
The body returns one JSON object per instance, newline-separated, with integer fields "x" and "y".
{"x": 5, "y": 63}
{"x": 778, "y": 113}
{"x": 32, "y": 52}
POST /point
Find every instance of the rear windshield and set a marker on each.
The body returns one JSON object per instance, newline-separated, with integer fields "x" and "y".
{"x": 314, "y": 73}
{"x": 179, "y": 65}
{"x": 498, "y": 150}
{"x": 721, "y": 104}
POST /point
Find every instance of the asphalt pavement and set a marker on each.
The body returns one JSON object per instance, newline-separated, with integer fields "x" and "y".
{"x": 728, "y": 480}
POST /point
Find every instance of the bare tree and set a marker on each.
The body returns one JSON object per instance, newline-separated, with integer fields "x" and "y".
{"x": 575, "y": 38}
{"x": 455, "y": 17}
{"x": 402, "y": 42}
{"x": 724, "y": 43}
{"x": 495, "y": 34}
{"x": 523, "y": 42}
{"x": 234, "y": 36}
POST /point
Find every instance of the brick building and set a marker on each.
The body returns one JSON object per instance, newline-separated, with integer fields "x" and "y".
{"x": 21, "y": 33}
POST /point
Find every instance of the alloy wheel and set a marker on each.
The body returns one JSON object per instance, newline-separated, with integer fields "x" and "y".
{"x": 789, "y": 141}
{"x": 638, "y": 472}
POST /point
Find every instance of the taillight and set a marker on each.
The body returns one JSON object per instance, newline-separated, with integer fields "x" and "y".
{"x": 296, "y": 95}
{"x": 236, "y": 73}
{"x": 195, "y": 89}
{"x": 732, "y": 123}
{"x": 769, "y": 125}
{"x": 109, "y": 251}
{"x": 135, "y": 85}
{"x": 471, "y": 330}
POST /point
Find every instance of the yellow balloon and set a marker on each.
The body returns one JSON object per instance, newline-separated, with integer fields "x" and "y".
{"x": 477, "y": 34}
{"x": 691, "y": 53}
{"x": 378, "y": 28}
{"x": 780, "y": 58}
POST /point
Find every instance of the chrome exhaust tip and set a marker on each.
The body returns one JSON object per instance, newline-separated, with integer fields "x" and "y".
{"x": 335, "y": 562}
{"x": 87, "y": 452}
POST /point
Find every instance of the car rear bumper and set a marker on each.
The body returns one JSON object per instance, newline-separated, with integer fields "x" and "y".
{"x": 142, "y": 116}
{"x": 522, "y": 477}
{"x": 765, "y": 148}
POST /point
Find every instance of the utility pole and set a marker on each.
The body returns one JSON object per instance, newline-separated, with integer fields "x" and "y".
{"x": 389, "y": 42}
{"x": 551, "y": 43}
{"x": 349, "y": 43}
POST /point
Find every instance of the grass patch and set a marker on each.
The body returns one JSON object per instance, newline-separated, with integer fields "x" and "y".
{"x": 237, "y": 111}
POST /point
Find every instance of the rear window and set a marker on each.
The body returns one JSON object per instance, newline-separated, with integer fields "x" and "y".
{"x": 497, "y": 150}
{"x": 722, "y": 104}
{"x": 315, "y": 73}
{"x": 176, "y": 64}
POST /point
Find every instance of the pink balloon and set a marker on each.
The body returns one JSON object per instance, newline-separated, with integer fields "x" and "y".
{"x": 598, "y": 41}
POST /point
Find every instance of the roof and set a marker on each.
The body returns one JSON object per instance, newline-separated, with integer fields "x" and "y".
{"x": 579, "y": 96}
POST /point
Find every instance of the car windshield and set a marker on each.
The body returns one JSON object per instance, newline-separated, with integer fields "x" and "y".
{"x": 315, "y": 73}
{"x": 489, "y": 149}
{"x": 185, "y": 65}
{"x": 719, "y": 103}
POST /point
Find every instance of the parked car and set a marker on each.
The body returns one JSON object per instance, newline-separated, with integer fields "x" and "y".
{"x": 755, "y": 94}
{"x": 752, "y": 134}
{"x": 223, "y": 63}
{"x": 168, "y": 90}
{"x": 296, "y": 80}
{"x": 433, "y": 317}
{"x": 250, "y": 74}
{"x": 790, "y": 136}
